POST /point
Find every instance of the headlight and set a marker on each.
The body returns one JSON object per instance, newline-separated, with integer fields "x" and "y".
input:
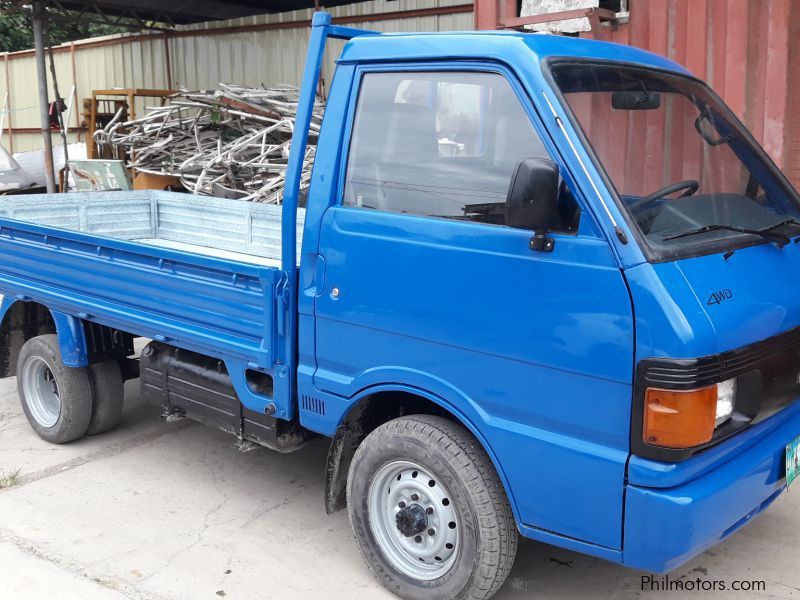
{"x": 726, "y": 397}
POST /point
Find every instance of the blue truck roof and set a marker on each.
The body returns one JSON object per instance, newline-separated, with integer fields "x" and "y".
{"x": 494, "y": 45}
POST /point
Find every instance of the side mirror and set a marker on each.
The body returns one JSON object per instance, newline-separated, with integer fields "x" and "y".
{"x": 708, "y": 131}
{"x": 532, "y": 201}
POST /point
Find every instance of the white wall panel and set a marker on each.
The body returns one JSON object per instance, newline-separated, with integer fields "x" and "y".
{"x": 200, "y": 61}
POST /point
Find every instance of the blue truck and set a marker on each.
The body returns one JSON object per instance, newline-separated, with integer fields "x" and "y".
{"x": 539, "y": 286}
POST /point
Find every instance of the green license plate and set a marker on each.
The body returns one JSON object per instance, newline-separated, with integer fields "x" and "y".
{"x": 792, "y": 461}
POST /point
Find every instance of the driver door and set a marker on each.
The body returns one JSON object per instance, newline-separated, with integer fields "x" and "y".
{"x": 426, "y": 286}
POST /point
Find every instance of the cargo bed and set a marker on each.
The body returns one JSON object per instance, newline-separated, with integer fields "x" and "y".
{"x": 227, "y": 229}
{"x": 194, "y": 271}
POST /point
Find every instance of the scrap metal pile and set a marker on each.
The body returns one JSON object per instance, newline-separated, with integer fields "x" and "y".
{"x": 231, "y": 142}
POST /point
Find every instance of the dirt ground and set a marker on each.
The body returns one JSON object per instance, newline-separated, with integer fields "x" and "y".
{"x": 157, "y": 511}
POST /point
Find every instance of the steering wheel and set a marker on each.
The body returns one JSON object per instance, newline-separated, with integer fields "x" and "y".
{"x": 690, "y": 185}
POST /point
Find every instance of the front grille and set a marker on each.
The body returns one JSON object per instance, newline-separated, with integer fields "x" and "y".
{"x": 693, "y": 373}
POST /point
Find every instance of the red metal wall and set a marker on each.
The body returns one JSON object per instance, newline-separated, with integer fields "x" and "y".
{"x": 748, "y": 50}
{"x": 792, "y": 166}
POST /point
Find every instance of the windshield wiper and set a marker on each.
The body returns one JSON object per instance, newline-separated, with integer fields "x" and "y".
{"x": 789, "y": 221}
{"x": 767, "y": 233}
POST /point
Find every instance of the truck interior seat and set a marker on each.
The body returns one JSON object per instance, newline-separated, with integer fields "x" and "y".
{"x": 410, "y": 134}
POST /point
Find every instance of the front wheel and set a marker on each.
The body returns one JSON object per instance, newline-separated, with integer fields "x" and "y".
{"x": 429, "y": 512}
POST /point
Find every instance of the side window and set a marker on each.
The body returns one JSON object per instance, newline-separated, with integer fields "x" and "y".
{"x": 441, "y": 145}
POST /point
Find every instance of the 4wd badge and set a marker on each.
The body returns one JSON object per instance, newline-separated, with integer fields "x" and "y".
{"x": 719, "y": 297}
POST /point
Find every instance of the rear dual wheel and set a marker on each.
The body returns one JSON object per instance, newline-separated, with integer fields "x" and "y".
{"x": 428, "y": 511}
{"x": 64, "y": 403}
{"x": 108, "y": 391}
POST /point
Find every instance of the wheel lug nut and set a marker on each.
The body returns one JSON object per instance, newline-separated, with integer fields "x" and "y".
{"x": 429, "y": 510}
{"x": 414, "y": 497}
{"x": 402, "y": 505}
{"x": 418, "y": 539}
{"x": 431, "y": 532}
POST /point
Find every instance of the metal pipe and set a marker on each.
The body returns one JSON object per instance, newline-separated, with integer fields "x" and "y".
{"x": 3, "y": 116}
{"x": 39, "y": 15}
{"x": 74, "y": 61}
{"x": 168, "y": 61}
{"x": 69, "y": 108}
{"x": 10, "y": 102}
{"x": 61, "y": 124}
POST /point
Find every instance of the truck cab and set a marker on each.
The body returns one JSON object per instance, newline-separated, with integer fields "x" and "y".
{"x": 576, "y": 248}
{"x": 546, "y": 287}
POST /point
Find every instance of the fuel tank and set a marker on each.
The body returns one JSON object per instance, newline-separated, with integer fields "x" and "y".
{"x": 188, "y": 384}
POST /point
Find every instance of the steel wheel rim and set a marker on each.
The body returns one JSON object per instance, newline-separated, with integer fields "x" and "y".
{"x": 398, "y": 489}
{"x": 41, "y": 392}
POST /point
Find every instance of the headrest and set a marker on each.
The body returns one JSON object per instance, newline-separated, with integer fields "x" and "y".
{"x": 410, "y": 134}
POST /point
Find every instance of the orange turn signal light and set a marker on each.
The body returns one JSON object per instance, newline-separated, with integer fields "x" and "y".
{"x": 679, "y": 419}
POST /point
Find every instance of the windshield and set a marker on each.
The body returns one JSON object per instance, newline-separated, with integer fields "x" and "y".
{"x": 688, "y": 174}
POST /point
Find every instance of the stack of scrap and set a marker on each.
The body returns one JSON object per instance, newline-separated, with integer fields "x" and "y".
{"x": 231, "y": 142}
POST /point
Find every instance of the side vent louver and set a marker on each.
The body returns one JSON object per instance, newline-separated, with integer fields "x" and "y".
{"x": 314, "y": 405}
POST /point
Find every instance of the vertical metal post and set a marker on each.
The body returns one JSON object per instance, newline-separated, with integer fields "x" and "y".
{"x": 70, "y": 104}
{"x": 168, "y": 61}
{"x": 10, "y": 103}
{"x": 39, "y": 15}
{"x": 57, "y": 104}
{"x": 3, "y": 116}
{"x": 74, "y": 61}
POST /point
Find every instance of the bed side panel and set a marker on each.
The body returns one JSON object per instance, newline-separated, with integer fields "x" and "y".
{"x": 220, "y": 308}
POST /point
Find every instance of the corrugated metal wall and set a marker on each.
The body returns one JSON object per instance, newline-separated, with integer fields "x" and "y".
{"x": 200, "y": 57}
{"x": 792, "y": 166}
{"x": 748, "y": 50}
{"x": 277, "y": 56}
{"x": 739, "y": 46}
{"x": 96, "y": 65}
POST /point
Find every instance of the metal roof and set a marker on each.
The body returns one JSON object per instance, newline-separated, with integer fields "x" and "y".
{"x": 183, "y": 12}
{"x": 501, "y": 46}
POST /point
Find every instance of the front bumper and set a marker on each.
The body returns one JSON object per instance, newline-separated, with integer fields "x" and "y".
{"x": 664, "y": 528}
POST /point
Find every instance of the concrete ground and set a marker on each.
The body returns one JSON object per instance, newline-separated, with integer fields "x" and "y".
{"x": 154, "y": 511}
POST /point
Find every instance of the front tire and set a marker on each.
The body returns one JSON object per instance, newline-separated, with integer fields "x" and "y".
{"x": 57, "y": 399}
{"x": 428, "y": 511}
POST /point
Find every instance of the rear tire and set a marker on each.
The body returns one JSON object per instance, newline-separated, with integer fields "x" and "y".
{"x": 428, "y": 511}
{"x": 108, "y": 390}
{"x": 57, "y": 400}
